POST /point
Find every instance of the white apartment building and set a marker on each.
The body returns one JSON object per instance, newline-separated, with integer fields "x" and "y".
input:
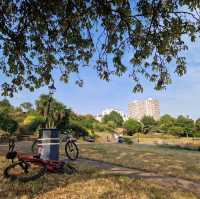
{"x": 138, "y": 109}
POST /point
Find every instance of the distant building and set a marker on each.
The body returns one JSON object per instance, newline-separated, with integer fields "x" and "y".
{"x": 149, "y": 107}
{"x": 108, "y": 111}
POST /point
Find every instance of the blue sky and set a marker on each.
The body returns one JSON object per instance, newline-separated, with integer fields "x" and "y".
{"x": 181, "y": 97}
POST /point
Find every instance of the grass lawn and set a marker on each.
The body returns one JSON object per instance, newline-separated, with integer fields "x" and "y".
{"x": 170, "y": 162}
{"x": 88, "y": 183}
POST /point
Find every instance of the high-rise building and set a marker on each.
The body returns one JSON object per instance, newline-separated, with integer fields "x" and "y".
{"x": 149, "y": 107}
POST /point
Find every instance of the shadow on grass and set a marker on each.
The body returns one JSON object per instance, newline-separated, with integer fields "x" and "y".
{"x": 90, "y": 182}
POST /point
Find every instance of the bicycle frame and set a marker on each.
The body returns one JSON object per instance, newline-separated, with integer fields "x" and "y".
{"x": 52, "y": 165}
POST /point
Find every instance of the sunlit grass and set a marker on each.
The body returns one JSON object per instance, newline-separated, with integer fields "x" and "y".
{"x": 88, "y": 183}
{"x": 172, "y": 162}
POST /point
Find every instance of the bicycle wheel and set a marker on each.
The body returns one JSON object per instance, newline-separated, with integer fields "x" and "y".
{"x": 34, "y": 147}
{"x": 25, "y": 171}
{"x": 71, "y": 150}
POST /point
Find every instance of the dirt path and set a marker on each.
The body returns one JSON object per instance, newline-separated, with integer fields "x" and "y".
{"x": 113, "y": 169}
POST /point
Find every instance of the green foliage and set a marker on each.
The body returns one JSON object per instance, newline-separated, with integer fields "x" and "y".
{"x": 197, "y": 125}
{"x": 153, "y": 30}
{"x": 7, "y": 123}
{"x": 5, "y": 106}
{"x": 132, "y": 126}
{"x": 186, "y": 123}
{"x": 176, "y": 130}
{"x": 166, "y": 122}
{"x": 100, "y": 127}
{"x": 115, "y": 118}
{"x": 58, "y": 116}
{"x": 196, "y": 134}
{"x": 78, "y": 130}
{"x": 32, "y": 122}
{"x": 148, "y": 122}
{"x": 87, "y": 121}
{"x": 111, "y": 124}
{"x": 128, "y": 140}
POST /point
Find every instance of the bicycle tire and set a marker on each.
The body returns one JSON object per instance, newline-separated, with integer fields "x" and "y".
{"x": 67, "y": 148}
{"x": 35, "y": 176}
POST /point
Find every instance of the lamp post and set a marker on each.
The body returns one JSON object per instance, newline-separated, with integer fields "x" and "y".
{"x": 52, "y": 89}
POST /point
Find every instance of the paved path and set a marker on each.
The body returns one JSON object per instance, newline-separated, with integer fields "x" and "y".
{"x": 113, "y": 169}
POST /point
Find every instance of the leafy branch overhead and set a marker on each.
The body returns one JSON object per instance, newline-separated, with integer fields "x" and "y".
{"x": 38, "y": 37}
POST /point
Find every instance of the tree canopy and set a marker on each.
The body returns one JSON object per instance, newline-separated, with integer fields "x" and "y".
{"x": 114, "y": 118}
{"x": 39, "y": 37}
{"x": 148, "y": 121}
{"x": 132, "y": 126}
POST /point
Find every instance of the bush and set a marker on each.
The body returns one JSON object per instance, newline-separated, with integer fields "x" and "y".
{"x": 148, "y": 121}
{"x": 78, "y": 130}
{"x": 91, "y": 133}
{"x": 31, "y": 123}
{"x": 102, "y": 127}
{"x": 4, "y": 136}
{"x": 132, "y": 126}
{"x": 176, "y": 130}
{"x": 196, "y": 134}
{"x": 115, "y": 118}
{"x": 128, "y": 140}
{"x": 7, "y": 123}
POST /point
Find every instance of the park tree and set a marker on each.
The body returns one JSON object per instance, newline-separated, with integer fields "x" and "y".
{"x": 197, "y": 125}
{"x": 32, "y": 122}
{"x": 132, "y": 126}
{"x": 41, "y": 104}
{"x": 186, "y": 123}
{"x": 166, "y": 122}
{"x": 148, "y": 123}
{"x": 114, "y": 117}
{"x": 5, "y": 106}
{"x": 88, "y": 121}
{"x": 7, "y": 123}
{"x": 142, "y": 37}
{"x": 58, "y": 115}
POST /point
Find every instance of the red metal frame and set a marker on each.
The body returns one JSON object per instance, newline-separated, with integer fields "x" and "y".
{"x": 52, "y": 165}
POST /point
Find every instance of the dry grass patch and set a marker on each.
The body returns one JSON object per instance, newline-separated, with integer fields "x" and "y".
{"x": 173, "y": 162}
{"x": 89, "y": 183}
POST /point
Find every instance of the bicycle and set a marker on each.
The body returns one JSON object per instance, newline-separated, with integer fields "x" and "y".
{"x": 29, "y": 168}
{"x": 71, "y": 149}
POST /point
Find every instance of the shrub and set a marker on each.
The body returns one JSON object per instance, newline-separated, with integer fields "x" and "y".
{"x": 101, "y": 127}
{"x": 196, "y": 134}
{"x": 4, "y": 136}
{"x": 132, "y": 126}
{"x": 78, "y": 130}
{"x": 176, "y": 130}
{"x": 128, "y": 140}
{"x": 31, "y": 123}
{"x": 114, "y": 117}
{"x": 7, "y": 123}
